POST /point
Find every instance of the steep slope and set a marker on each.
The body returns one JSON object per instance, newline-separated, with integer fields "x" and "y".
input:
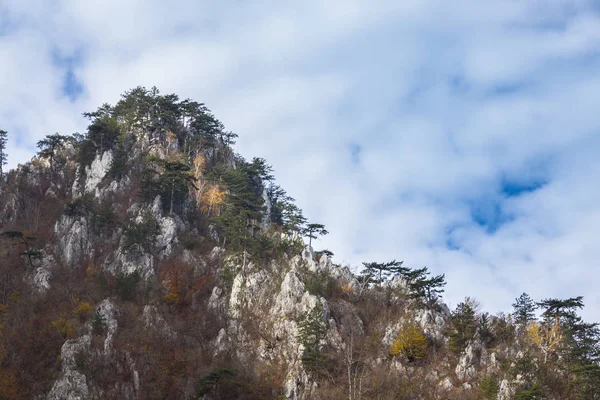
{"x": 145, "y": 260}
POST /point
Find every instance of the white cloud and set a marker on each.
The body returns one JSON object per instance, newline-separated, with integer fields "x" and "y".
{"x": 442, "y": 104}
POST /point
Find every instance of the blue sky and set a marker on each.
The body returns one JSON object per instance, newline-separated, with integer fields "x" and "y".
{"x": 458, "y": 135}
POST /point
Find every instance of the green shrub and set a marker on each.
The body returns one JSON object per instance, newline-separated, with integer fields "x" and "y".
{"x": 227, "y": 274}
{"x": 524, "y": 366}
{"x": 140, "y": 233}
{"x": 319, "y": 283}
{"x": 219, "y": 381}
{"x": 98, "y": 323}
{"x": 488, "y": 388}
{"x": 81, "y": 362}
{"x": 126, "y": 285}
{"x": 532, "y": 393}
{"x": 105, "y": 219}
{"x": 79, "y": 207}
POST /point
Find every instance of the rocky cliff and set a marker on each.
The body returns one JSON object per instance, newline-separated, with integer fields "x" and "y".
{"x": 132, "y": 267}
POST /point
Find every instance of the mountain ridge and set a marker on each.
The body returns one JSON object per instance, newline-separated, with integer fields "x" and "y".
{"x": 145, "y": 259}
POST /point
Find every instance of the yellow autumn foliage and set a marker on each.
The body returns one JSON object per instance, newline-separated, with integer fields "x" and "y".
{"x": 91, "y": 272}
{"x": 171, "y": 137}
{"x": 171, "y": 298}
{"x": 211, "y": 200}
{"x": 548, "y": 337}
{"x": 347, "y": 288}
{"x": 410, "y": 342}
{"x": 199, "y": 165}
{"x": 63, "y": 326}
{"x": 83, "y": 310}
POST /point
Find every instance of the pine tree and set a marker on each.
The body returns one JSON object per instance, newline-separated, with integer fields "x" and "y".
{"x": 284, "y": 213}
{"x": 3, "y": 155}
{"x": 423, "y": 287}
{"x": 310, "y": 332}
{"x": 379, "y": 272}
{"x": 524, "y": 309}
{"x": 484, "y": 330}
{"x": 169, "y": 179}
{"x": 177, "y": 175}
{"x": 243, "y": 208}
{"x": 312, "y": 230}
{"x": 23, "y": 238}
{"x": 463, "y": 326}
{"x": 50, "y": 144}
{"x": 562, "y": 311}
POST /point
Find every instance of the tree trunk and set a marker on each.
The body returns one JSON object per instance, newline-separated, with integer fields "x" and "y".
{"x": 349, "y": 365}
{"x": 172, "y": 194}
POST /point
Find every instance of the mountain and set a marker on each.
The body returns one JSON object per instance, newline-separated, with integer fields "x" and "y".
{"x": 145, "y": 259}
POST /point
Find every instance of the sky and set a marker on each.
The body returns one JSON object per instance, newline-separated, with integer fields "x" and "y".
{"x": 458, "y": 135}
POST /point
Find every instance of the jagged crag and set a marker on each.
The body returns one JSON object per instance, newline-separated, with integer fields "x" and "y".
{"x": 146, "y": 260}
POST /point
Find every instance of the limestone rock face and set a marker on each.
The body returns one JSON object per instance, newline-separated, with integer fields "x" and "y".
{"x": 109, "y": 314}
{"x": 279, "y": 293}
{"x": 94, "y": 174}
{"x": 169, "y": 228}
{"x": 154, "y": 321}
{"x": 73, "y": 238}
{"x": 130, "y": 261}
{"x": 167, "y": 237}
{"x": 217, "y": 302}
{"x": 506, "y": 390}
{"x": 72, "y": 385}
{"x": 446, "y": 384}
{"x": 433, "y": 321}
{"x": 474, "y": 355}
{"x": 43, "y": 274}
{"x": 290, "y": 295}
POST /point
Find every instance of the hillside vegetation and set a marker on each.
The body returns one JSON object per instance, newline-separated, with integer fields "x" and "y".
{"x": 145, "y": 259}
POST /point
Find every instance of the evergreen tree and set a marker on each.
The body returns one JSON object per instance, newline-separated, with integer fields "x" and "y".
{"x": 484, "y": 330}
{"x": 586, "y": 381}
{"x": 177, "y": 175}
{"x": 423, "y": 287}
{"x": 102, "y": 134}
{"x": 463, "y": 326}
{"x": 169, "y": 179}
{"x": 379, "y": 272}
{"x": 532, "y": 393}
{"x": 50, "y": 144}
{"x": 24, "y": 239}
{"x": 3, "y": 155}
{"x": 284, "y": 213}
{"x": 311, "y": 330}
{"x": 561, "y": 310}
{"x": 244, "y": 206}
{"x": 293, "y": 220}
{"x": 120, "y": 156}
{"x": 312, "y": 230}
{"x": 524, "y": 309}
